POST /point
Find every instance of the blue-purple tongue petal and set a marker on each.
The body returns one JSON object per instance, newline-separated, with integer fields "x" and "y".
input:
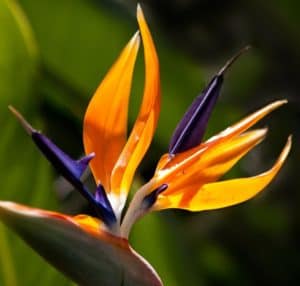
{"x": 151, "y": 198}
{"x": 82, "y": 164}
{"x": 102, "y": 200}
{"x": 190, "y": 130}
{"x": 70, "y": 169}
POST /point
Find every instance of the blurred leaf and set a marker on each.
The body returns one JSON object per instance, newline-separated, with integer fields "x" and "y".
{"x": 18, "y": 57}
{"x": 78, "y": 40}
{"x": 32, "y": 186}
{"x": 18, "y": 69}
{"x": 8, "y": 270}
{"x": 218, "y": 264}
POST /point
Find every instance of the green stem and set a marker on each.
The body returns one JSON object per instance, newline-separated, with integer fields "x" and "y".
{"x": 135, "y": 210}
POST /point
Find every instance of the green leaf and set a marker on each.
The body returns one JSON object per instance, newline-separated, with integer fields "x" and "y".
{"x": 88, "y": 258}
{"x": 18, "y": 57}
{"x": 9, "y": 275}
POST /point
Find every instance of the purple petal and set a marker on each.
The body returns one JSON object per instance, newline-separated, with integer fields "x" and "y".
{"x": 102, "y": 200}
{"x": 190, "y": 130}
{"x": 70, "y": 169}
{"x": 150, "y": 199}
{"x": 82, "y": 164}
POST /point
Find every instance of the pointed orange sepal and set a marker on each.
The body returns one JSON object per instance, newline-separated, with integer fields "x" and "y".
{"x": 168, "y": 164}
{"x": 215, "y": 162}
{"x": 144, "y": 127}
{"x": 191, "y": 172}
{"x": 105, "y": 121}
{"x": 222, "y": 194}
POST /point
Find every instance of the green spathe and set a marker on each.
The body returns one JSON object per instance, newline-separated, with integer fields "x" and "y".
{"x": 88, "y": 259}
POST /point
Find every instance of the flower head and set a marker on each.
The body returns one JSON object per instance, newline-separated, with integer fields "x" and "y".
{"x": 185, "y": 177}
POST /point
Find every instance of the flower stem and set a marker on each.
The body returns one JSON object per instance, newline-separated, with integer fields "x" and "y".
{"x": 136, "y": 209}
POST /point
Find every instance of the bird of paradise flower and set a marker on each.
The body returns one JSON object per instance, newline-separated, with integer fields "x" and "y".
{"x": 95, "y": 250}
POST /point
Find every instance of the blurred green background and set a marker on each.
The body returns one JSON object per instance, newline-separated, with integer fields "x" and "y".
{"x": 53, "y": 55}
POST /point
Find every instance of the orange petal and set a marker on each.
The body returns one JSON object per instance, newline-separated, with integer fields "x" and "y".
{"x": 89, "y": 223}
{"x": 227, "y": 193}
{"x": 167, "y": 165}
{"x": 144, "y": 127}
{"x": 105, "y": 121}
{"x": 215, "y": 162}
{"x": 245, "y": 123}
